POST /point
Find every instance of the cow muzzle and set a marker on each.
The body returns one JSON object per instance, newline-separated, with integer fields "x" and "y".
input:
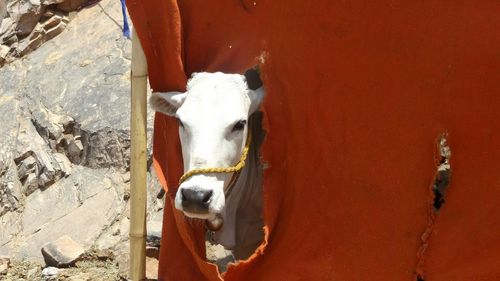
{"x": 195, "y": 201}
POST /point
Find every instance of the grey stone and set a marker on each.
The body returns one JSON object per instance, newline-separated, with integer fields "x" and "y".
{"x": 65, "y": 141}
{"x": 122, "y": 253}
{"x": 50, "y": 271}
{"x": 74, "y": 149}
{"x": 30, "y": 184}
{"x": 52, "y": 22}
{"x": 4, "y": 264}
{"x": 50, "y": 169}
{"x": 10, "y": 187}
{"x": 28, "y": 140}
{"x": 4, "y": 50}
{"x": 151, "y": 268}
{"x": 154, "y": 233}
{"x": 25, "y": 14}
{"x": 71, "y": 5}
{"x": 63, "y": 163}
{"x": 9, "y": 229}
{"x": 35, "y": 156}
{"x": 51, "y": 2}
{"x": 27, "y": 46}
{"x": 10, "y": 39}
{"x": 49, "y": 12}
{"x": 43, "y": 208}
{"x": 54, "y": 31}
{"x": 31, "y": 274}
{"x": 3, "y": 10}
{"x": 7, "y": 28}
{"x": 63, "y": 86}
{"x": 107, "y": 148}
{"x": 26, "y": 167}
{"x": 37, "y": 31}
{"x": 27, "y": 24}
{"x": 62, "y": 252}
{"x": 86, "y": 198}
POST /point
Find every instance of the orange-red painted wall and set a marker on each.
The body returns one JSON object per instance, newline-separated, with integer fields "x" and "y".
{"x": 358, "y": 94}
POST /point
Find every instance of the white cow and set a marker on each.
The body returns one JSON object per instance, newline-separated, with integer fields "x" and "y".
{"x": 215, "y": 117}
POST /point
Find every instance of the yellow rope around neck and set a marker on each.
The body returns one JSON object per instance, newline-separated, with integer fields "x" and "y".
{"x": 232, "y": 169}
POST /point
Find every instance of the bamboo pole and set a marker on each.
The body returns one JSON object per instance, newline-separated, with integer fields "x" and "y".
{"x": 138, "y": 166}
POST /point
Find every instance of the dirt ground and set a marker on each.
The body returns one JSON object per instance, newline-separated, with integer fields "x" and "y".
{"x": 91, "y": 267}
{"x": 100, "y": 266}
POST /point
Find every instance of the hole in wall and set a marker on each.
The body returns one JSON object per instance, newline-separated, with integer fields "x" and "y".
{"x": 443, "y": 173}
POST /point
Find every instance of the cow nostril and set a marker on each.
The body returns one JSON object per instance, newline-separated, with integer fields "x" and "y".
{"x": 189, "y": 195}
{"x": 207, "y": 196}
{"x": 184, "y": 194}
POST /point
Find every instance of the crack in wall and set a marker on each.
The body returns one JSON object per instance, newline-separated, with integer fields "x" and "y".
{"x": 438, "y": 188}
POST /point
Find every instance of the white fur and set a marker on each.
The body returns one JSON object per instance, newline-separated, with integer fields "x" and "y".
{"x": 210, "y": 108}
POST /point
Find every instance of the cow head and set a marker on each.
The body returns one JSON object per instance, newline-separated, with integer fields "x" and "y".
{"x": 213, "y": 125}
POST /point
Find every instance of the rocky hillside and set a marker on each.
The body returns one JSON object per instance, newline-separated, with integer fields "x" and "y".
{"x": 64, "y": 111}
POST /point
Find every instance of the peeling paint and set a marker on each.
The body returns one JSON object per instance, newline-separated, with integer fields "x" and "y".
{"x": 443, "y": 174}
{"x": 439, "y": 188}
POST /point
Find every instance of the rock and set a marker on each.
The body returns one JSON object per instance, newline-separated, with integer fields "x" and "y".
{"x": 52, "y": 22}
{"x": 50, "y": 171}
{"x": 25, "y": 14}
{"x": 26, "y": 25}
{"x": 3, "y": 10}
{"x": 86, "y": 198}
{"x": 29, "y": 45}
{"x": 36, "y": 157}
{"x": 7, "y": 28}
{"x": 30, "y": 184}
{"x": 153, "y": 252}
{"x": 4, "y": 50}
{"x": 65, "y": 137}
{"x": 9, "y": 223}
{"x": 63, "y": 163}
{"x": 4, "y": 264}
{"x": 51, "y": 2}
{"x": 26, "y": 167}
{"x": 153, "y": 233}
{"x": 62, "y": 252}
{"x": 48, "y": 13}
{"x": 107, "y": 148}
{"x": 71, "y": 5}
{"x": 122, "y": 253}
{"x": 104, "y": 255}
{"x": 31, "y": 274}
{"x": 37, "y": 32}
{"x": 74, "y": 149}
{"x": 54, "y": 31}
{"x": 10, "y": 187}
{"x": 10, "y": 39}
{"x": 50, "y": 271}
{"x": 151, "y": 268}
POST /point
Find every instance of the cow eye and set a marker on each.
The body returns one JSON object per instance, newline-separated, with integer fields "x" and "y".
{"x": 240, "y": 125}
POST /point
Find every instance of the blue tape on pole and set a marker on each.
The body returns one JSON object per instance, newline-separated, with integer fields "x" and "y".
{"x": 126, "y": 28}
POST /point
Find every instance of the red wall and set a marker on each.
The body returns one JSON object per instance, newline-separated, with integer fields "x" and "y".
{"x": 358, "y": 94}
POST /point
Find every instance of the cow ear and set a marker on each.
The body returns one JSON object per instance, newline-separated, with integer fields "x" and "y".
{"x": 256, "y": 97}
{"x": 167, "y": 102}
{"x": 252, "y": 78}
{"x": 256, "y": 90}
